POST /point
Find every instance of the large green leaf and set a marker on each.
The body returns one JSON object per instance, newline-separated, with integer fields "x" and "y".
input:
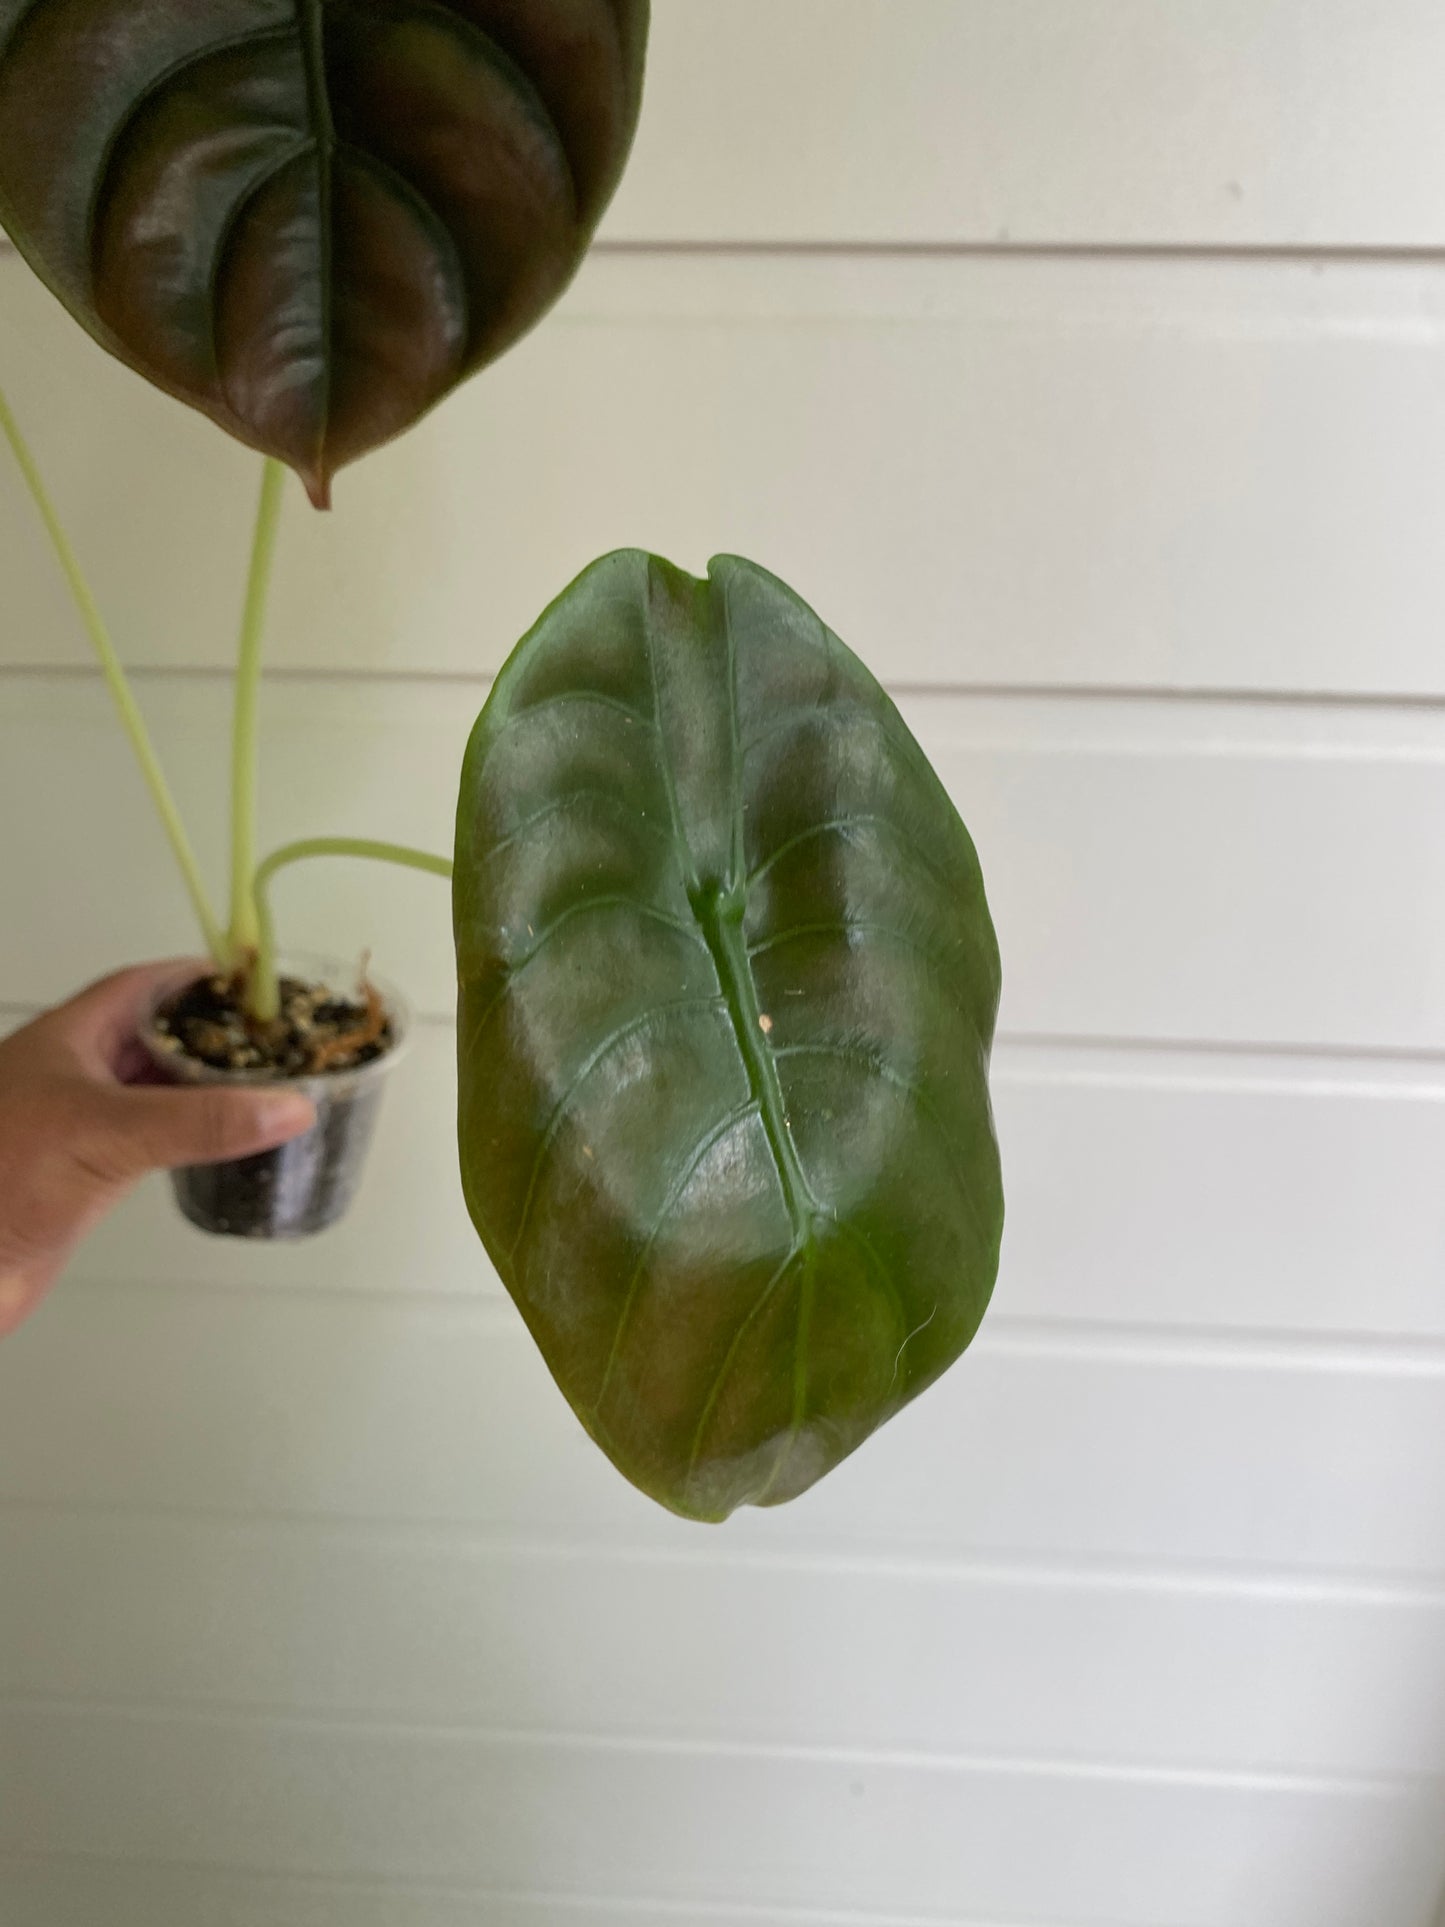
{"x": 728, "y": 986}
{"x": 312, "y": 218}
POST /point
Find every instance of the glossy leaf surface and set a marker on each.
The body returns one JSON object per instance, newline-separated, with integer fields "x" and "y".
{"x": 728, "y": 986}
{"x": 312, "y": 218}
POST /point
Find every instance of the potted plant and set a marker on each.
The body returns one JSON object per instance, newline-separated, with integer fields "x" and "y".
{"x": 727, "y": 976}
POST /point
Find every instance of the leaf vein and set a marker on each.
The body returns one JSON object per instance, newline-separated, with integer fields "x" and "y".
{"x": 829, "y": 715}
{"x": 567, "y": 697}
{"x": 234, "y": 217}
{"x": 700, "y": 1150}
{"x": 559, "y": 806}
{"x": 515, "y": 970}
{"x": 885, "y": 1072}
{"x": 611, "y": 901}
{"x": 619, "y": 1035}
{"x": 807, "y": 1294}
{"x": 517, "y": 77}
{"x": 425, "y": 213}
{"x": 153, "y": 89}
{"x": 730, "y": 1359}
{"x": 851, "y": 926}
{"x": 838, "y": 823}
{"x": 865, "y": 1245}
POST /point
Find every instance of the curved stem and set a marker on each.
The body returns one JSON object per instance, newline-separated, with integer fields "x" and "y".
{"x": 120, "y": 690}
{"x": 245, "y": 920}
{"x": 264, "y": 1000}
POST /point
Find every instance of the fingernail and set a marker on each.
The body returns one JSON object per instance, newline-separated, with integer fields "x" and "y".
{"x": 285, "y": 1117}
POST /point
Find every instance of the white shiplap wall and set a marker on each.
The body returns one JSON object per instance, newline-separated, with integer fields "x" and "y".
{"x": 1086, "y": 366}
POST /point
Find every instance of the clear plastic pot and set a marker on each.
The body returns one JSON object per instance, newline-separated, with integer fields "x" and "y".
{"x": 301, "y": 1187}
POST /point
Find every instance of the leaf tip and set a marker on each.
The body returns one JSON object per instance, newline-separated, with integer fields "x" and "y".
{"x": 317, "y": 483}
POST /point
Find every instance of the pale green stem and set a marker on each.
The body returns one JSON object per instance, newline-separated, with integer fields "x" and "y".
{"x": 245, "y": 920}
{"x": 120, "y": 690}
{"x": 263, "y": 1000}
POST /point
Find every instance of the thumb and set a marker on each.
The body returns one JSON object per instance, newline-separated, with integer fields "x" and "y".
{"x": 157, "y": 1129}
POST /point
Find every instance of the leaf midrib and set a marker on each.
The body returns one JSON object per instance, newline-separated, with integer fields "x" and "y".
{"x": 720, "y": 909}
{"x": 311, "y": 28}
{"x": 720, "y": 917}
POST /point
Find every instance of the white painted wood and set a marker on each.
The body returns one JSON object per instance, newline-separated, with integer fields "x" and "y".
{"x": 1258, "y": 1453}
{"x": 1068, "y": 1664}
{"x": 710, "y": 1826}
{"x": 111, "y": 1894}
{"x": 1225, "y": 474}
{"x": 1216, "y": 122}
{"x": 1225, "y": 873}
{"x": 1119, "y": 1163}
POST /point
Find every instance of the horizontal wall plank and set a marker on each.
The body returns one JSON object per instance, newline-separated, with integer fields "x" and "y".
{"x": 1227, "y": 873}
{"x": 692, "y": 1827}
{"x": 941, "y": 122}
{"x": 1221, "y": 474}
{"x": 1117, "y": 1162}
{"x": 111, "y": 1893}
{"x": 326, "y": 1621}
{"x": 1206, "y": 121}
{"x": 434, "y": 1413}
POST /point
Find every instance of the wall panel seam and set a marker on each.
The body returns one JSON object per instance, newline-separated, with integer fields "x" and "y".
{"x": 729, "y": 1914}
{"x": 1205, "y": 1777}
{"x": 1353, "y": 1588}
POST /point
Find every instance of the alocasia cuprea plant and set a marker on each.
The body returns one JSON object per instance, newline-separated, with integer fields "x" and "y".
{"x": 727, "y": 976}
{"x": 728, "y": 986}
{"x": 312, "y": 218}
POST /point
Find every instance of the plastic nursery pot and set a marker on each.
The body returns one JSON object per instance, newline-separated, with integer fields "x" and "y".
{"x": 304, "y": 1186}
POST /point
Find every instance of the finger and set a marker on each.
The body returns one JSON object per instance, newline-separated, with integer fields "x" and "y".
{"x": 19, "y": 1295}
{"x": 149, "y": 1130}
{"x": 100, "y": 1022}
{"x": 134, "y": 1064}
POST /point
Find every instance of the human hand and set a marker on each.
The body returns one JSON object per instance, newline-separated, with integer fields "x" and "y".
{"x": 77, "y": 1130}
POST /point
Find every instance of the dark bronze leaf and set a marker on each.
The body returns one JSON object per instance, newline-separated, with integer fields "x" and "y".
{"x": 728, "y": 986}
{"x": 312, "y": 218}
